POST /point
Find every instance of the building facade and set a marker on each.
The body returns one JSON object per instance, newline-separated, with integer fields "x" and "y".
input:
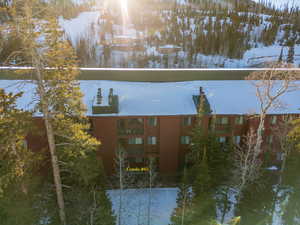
{"x": 156, "y": 119}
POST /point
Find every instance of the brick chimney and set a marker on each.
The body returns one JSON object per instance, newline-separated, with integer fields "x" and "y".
{"x": 100, "y": 107}
{"x": 201, "y": 92}
{"x": 201, "y": 102}
{"x": 110, "y": 96}
{"x": 99, "y": 97}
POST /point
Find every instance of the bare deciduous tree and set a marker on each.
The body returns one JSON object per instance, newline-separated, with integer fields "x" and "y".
{"x": 246, "y": 162}
{"x": 270, "y": 86}
{"x": 152, "y": 175}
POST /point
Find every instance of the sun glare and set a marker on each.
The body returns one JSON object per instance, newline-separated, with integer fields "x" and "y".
{"x": 124, "y": 11}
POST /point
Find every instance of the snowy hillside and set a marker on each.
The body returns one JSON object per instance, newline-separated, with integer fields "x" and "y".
{"x": 184, "y": 35}
{"x": 281, "y": 3}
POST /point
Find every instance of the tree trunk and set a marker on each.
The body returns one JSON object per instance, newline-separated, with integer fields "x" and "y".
{"x": 51, "y": 143}
{"x": 149, "y": 197}
{"x": 120, "y": 158}
{"x": 259, "y": 133}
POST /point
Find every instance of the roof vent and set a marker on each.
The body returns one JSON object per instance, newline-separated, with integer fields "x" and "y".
{"x": 107, "y": 105}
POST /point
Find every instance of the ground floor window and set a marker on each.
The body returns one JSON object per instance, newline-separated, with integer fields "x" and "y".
{"x": 135, "y": 141}
{"x": 222, "y": 139}
{"x": 185, "y": 140}
{"x": 237, "y": 139}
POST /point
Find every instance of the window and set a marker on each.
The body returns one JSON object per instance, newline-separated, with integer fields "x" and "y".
{"x": 121, "y": 123}
{"x": 239, "y": 120}
{"x": 152, "y": 121}
{"x": 122, "y": 141}
{"x": 25, "y": 144}
{"x": 138, "y": 159}
{"x": 273, "y": 119}
{"x": 187, "y": 121}
{"x": 136, "y": 121}
{"x": 222, "y": 139}
{"x": 135, "y": 151}
{"x": 130, "y": 126}
{"x": 134, "y": 160}
{"x": 152, "y": 140}
{"x": 222, "y": 120}
{"x": 279, "y": 156}
{"x": 237, "y": 139}
{"x": 135, "y": 141}
{"x": 270, "y": 139}
{"x": 185, "y": 140}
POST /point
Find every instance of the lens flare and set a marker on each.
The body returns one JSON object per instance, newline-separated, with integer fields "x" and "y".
{"x": 124, "y": 11}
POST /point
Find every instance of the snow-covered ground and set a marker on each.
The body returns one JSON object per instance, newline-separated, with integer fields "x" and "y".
{"x": 163, "y": 202}
{"x": 135, "y": 205}
{"x": 225, "y": 212}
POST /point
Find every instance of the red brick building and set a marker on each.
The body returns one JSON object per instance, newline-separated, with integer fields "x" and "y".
{"x": 156, "y": 119}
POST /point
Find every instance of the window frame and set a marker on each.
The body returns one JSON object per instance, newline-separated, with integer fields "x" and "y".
{"x": 239, "y": 120}
{"x": 154, "y": 119}
{"x": 220, "y": 120}
{"x": 135, "y": 141}
{"x": 150, "y": 140}
{"x": 273, "y": 120}
{"x": 237, "y": 137}
{"x": 185, "y": 140}
{"x": 187, "y": 121}
{"x": 222, "y": 138}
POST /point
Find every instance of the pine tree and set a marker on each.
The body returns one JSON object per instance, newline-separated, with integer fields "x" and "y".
{"x": 184, "y": 197}
{"x": 292, "y": 206}
{"x": 70, "y": 146}
{"x": 291, "y": 53}
{"x": 14, "y": 126}
{"x": 18, "y": 184}
{"x": 280, "y": 56}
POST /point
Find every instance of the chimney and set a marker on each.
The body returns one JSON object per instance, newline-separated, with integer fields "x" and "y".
{"x": 201, "y": 92}
{"x": 110, "y": 96}
{"x": 99, "y": 97}
{"x": 201, "y": 99}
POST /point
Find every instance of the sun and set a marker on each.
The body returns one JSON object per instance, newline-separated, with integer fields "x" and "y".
{"x": 124, "y": 11}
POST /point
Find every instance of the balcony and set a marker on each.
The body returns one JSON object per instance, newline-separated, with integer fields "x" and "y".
{"x": 133, "y": 126}
{"x": 130, "y": 131}
{"x": 222, "y": 128}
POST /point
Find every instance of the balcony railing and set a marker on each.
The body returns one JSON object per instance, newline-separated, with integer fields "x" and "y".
{"x": 221, "y": 128}
{"x": 130, "y": 131}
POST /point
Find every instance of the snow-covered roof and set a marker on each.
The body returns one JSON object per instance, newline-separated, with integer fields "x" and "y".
{"x": 168, "y": 98}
